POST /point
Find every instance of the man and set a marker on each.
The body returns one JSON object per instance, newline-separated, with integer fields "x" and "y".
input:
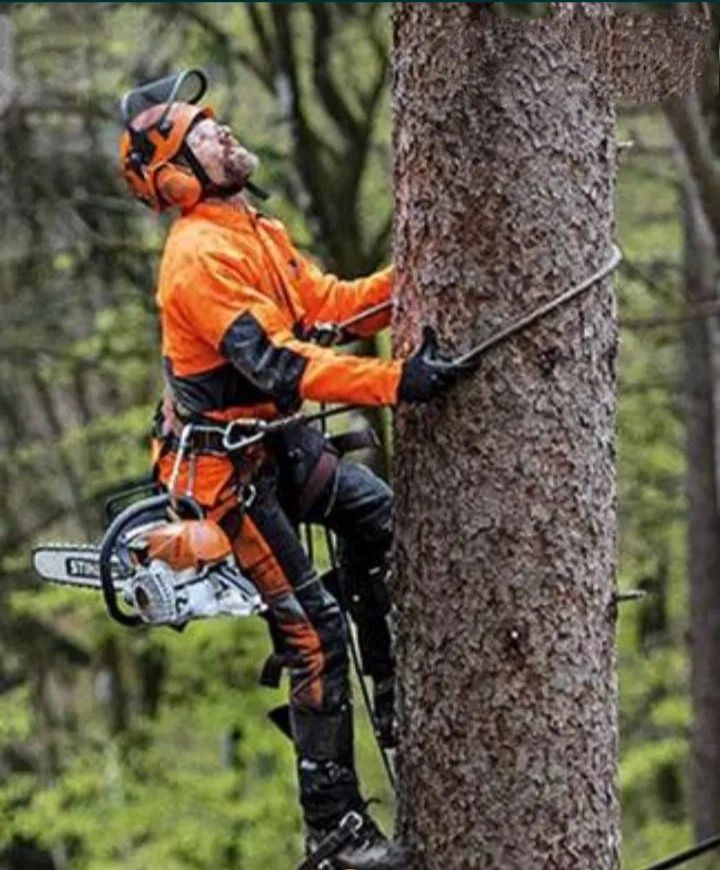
{"x": 238, "y": 303}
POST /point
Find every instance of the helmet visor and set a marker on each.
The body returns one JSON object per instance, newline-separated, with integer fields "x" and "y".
{"x": 185, "y": 87}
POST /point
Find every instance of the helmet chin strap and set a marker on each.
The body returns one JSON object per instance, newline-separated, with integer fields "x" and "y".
{"x": 256, "y": 191}
{"x": 224, "y": 191}
{"x": 227, "y": 191}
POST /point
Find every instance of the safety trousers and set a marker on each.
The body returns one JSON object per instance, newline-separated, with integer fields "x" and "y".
{"x": 357, "y": 505}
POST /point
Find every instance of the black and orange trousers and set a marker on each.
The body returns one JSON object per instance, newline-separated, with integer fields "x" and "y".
{"x": 307, "y": 617}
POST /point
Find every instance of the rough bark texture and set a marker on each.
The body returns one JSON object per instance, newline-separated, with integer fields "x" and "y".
{"x": 658, "y": 56}
{"x": 702, "y": 358}
{"x": 505, "y": 488}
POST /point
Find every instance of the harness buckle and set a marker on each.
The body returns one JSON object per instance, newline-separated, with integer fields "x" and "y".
{"x": 234, "y": 439}
{"x": 326, "y": 334}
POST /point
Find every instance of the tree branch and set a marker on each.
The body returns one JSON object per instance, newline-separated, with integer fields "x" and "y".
{"x": 691, "y": 133}
{"x": 260, "y": 31}
{"x": 334, "y": 103}
{"x": 223, "y": 39}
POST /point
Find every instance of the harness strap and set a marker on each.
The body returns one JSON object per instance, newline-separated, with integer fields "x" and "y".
{"x": 327, "y": 463}
{"x": 319, "y": 478}
{"x": 272, "y": 670}
{"x": 360, "y": 439}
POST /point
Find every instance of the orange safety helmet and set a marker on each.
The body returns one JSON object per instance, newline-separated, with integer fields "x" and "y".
{"x": 157, "y": 118}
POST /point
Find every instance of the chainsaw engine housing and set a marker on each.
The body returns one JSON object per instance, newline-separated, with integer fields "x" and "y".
{"x": 168, "y": 569}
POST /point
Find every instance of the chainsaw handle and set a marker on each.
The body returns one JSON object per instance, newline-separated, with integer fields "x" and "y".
{"x": 121, "y": 522}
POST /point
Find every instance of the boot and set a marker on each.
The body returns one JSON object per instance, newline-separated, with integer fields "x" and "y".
{"x": 368, "y": 849}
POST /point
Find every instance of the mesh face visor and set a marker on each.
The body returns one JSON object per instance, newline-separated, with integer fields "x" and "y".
{"x": 185, "y": 87}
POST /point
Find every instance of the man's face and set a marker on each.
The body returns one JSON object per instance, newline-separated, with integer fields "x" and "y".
{"x": 224, "y": 159}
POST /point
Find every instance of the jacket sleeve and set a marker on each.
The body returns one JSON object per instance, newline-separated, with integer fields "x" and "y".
{"x": 328, "y": 299}
{"x": 251, "y": 331}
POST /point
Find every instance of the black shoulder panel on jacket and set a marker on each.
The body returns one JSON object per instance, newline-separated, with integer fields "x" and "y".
{"x": 214, "y": 390}
{"x": 276, "y": 371}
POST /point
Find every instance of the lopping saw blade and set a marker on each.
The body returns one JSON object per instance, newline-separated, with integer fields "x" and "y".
{"x": 73, "y": 565}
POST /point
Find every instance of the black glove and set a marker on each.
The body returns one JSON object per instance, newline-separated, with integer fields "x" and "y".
{"x": 427, "y": 373}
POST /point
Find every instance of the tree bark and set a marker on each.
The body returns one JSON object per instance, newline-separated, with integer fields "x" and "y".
{"x": 702, "y": 360}
{"x": 505, "y": 553}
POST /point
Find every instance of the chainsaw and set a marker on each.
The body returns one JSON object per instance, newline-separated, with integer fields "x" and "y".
{"x": 163, "y": 560}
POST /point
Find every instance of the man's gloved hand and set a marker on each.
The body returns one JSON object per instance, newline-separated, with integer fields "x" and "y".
{"x": 427, "y": 373}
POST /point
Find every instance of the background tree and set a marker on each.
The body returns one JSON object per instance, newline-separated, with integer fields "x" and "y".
{"x": 703, "y": 512}
{"x": 695, "y": 124}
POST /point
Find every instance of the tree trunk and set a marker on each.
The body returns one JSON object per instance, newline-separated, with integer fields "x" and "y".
{"x": 505, "y": 551}
{"x": 703, "y": 516}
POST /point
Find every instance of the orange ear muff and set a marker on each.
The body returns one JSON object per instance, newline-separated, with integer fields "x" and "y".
{"x": 176, "y": 186}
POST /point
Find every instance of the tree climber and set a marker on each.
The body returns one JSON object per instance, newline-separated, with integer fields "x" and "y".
{"x": 237, "y": 305}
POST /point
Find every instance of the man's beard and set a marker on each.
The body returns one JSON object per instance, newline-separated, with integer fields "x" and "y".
{"x": 229, "y": 166}
{"x": 238, "y": 164}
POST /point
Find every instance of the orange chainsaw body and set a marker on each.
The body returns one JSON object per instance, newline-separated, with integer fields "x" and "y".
{"x": 187, "y": 544}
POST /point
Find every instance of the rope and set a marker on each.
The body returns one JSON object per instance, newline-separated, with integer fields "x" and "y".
{"x": 687, "y": 855}
{"x": 364, "y": 315}
{"x": 474, "y": 354}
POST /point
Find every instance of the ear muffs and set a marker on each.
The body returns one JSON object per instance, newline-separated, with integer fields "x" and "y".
{"x": 176, "y": 186}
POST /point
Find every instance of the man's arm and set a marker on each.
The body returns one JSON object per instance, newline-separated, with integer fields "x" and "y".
{"x": 255, "y": 335}
{"x": 328, "y": 299}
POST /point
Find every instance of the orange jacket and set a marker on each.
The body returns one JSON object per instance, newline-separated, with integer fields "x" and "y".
{"x": 236, "y": 299}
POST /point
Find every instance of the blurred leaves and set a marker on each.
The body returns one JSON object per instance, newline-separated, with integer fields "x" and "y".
{"x": 148, "y": 749}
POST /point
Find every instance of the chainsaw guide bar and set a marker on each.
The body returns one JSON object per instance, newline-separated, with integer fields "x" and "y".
{"x": 74, "y": 565}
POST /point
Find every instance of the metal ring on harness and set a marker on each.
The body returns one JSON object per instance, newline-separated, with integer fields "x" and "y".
{"x": 231, "y": 444}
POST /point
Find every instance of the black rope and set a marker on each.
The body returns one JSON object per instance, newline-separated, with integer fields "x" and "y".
{"x": 474, "y": 354}
{"x": 687, "y": 855}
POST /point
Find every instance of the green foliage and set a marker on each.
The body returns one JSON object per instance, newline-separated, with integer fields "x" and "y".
{"x": 145, "y": 749}
{"x": 653, "y": 661}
